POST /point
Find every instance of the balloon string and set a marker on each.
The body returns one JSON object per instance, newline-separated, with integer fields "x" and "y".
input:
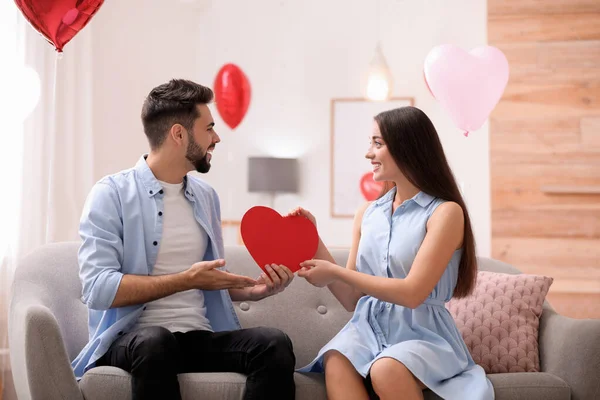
{"x": 51, "y": 150}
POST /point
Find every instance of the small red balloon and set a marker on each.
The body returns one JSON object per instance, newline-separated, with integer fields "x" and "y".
{"x": 58, "y": 20}
{"x": 232, "y": 94}
{"x": 369, "y": 188}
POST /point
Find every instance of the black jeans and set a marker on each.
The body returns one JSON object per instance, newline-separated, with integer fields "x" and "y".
{"x": 154, "y": 356}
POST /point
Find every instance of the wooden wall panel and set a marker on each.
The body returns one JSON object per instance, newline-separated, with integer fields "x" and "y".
{"x": 565, "y": 257}
{"x": 545, "y": 146}
{"x": 575, "y": 305}
{"x": 555, "y": 222}
{"x": 513, "y": 28}
{"x": 558, "y": 63}
{"x": 536, "y": 7}
{"x": 590, "y": 133}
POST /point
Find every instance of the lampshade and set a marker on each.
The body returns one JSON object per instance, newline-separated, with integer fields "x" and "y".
{"x": 271, "y": 174}
{"x": 379, "y": 81}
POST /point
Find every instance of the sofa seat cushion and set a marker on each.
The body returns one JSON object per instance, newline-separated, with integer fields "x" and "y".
{"x": 115, "y": 384}
{"x": 529, "y": 386}
{"x": 112, "y": 383}
{"x": 523, "y": 386}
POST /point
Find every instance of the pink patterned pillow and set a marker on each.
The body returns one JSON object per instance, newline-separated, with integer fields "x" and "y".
{"x": 499, "y": 321}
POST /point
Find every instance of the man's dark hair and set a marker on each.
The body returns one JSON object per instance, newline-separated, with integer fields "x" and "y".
{"x": 172, "y": 103}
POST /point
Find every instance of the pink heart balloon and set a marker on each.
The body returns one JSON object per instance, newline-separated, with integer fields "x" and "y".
{"x": 467, "y": 85}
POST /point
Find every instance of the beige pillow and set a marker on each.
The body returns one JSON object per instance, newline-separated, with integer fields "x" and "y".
{"x": 499, "y": 321}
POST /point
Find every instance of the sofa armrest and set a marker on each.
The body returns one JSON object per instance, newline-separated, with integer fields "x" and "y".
{"x": 39, "y": 360}
{"x": 570, "y": 349}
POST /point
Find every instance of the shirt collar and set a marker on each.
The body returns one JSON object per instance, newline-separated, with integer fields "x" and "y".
{"x": 151, "y": 184}
{"x": 422, "y": 199}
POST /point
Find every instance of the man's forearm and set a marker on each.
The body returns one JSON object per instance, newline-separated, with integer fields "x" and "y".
{"x": 139, "y": 289}
{"x": 242, "y": 295}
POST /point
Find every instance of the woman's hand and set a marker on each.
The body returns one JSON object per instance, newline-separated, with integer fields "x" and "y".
{"x": 299, "y": 211}
{"x": 319, "y": 272}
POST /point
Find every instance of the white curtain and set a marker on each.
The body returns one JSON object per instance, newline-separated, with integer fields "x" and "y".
{"x": 46, "y": 154}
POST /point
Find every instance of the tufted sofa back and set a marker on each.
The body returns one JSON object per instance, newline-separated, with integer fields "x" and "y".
{"x": 310, "y": 316}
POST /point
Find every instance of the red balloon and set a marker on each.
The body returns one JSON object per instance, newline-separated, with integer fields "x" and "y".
{"x": 232, "y": 93}
{"x": 369, "y": 188}
{"x": 58, "y": 20}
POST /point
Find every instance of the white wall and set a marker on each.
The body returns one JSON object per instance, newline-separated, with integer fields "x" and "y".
{"x": 298, "y": 55}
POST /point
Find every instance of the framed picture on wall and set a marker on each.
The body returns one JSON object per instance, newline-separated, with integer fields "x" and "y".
{"x": 231, "y": 232}
{"x": 351, "y": 176}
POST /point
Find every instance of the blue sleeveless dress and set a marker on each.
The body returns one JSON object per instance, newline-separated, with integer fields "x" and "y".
{"x": 424, "y": 339}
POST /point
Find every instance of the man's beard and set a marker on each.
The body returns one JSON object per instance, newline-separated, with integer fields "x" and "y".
{"x": 194, "y": 155}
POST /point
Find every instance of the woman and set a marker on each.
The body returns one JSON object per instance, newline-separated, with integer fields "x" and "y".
{"x": 412, "y": 250}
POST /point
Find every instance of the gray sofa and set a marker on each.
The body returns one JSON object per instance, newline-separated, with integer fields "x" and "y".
{"x": 48, "y": 327}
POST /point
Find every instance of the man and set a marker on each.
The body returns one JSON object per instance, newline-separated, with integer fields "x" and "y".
{"x": 150, "y": 265}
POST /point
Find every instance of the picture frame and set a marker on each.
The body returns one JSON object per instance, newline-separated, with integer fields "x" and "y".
{"x": 351, "y": 122}
{"x": 231, "y": 232}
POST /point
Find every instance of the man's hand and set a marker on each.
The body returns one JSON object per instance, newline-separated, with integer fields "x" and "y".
{"x": 277, "y": 279}
{"x": 205, "y": 275}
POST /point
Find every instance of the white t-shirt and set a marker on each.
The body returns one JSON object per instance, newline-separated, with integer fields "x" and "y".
{"x": 183, "y": 243}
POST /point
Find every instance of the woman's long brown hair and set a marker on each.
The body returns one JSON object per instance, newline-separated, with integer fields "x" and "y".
{"x": 414, "y": 144}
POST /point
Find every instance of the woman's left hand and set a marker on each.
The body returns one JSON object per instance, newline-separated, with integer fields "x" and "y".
{"x": 318, "y": 272}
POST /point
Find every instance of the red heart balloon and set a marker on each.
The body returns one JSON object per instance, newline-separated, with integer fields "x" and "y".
{"x": 273, "y": 239}
{"x": 58, "y": 20}
{"x": 369, "y": 188}
{"x": 232, "y": 94}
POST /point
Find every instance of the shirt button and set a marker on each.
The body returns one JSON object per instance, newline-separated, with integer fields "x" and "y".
{"x": 389, "y": 305}
{"x": 155, "y": 243}
{"x": 161, "y": 191}
{"x": 160, "y": 213}
{"x": 151, "y": 192}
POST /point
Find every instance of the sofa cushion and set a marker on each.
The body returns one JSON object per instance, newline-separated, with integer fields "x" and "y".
{"x": 499, "y": 321}
{"x": 529, "y": 386}
{"x": 115, "y": 384}
{"x": 523, "y": 386}
{"x": 102, "y": 383}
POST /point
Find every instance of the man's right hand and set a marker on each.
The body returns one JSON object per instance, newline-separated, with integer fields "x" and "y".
{"x": 205, "y": 275}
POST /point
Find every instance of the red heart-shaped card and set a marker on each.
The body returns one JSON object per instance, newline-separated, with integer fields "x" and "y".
{"x": 273, "y": 239}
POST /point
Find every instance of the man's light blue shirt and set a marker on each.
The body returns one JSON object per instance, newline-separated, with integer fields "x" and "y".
{"x": 121, "y": 228}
